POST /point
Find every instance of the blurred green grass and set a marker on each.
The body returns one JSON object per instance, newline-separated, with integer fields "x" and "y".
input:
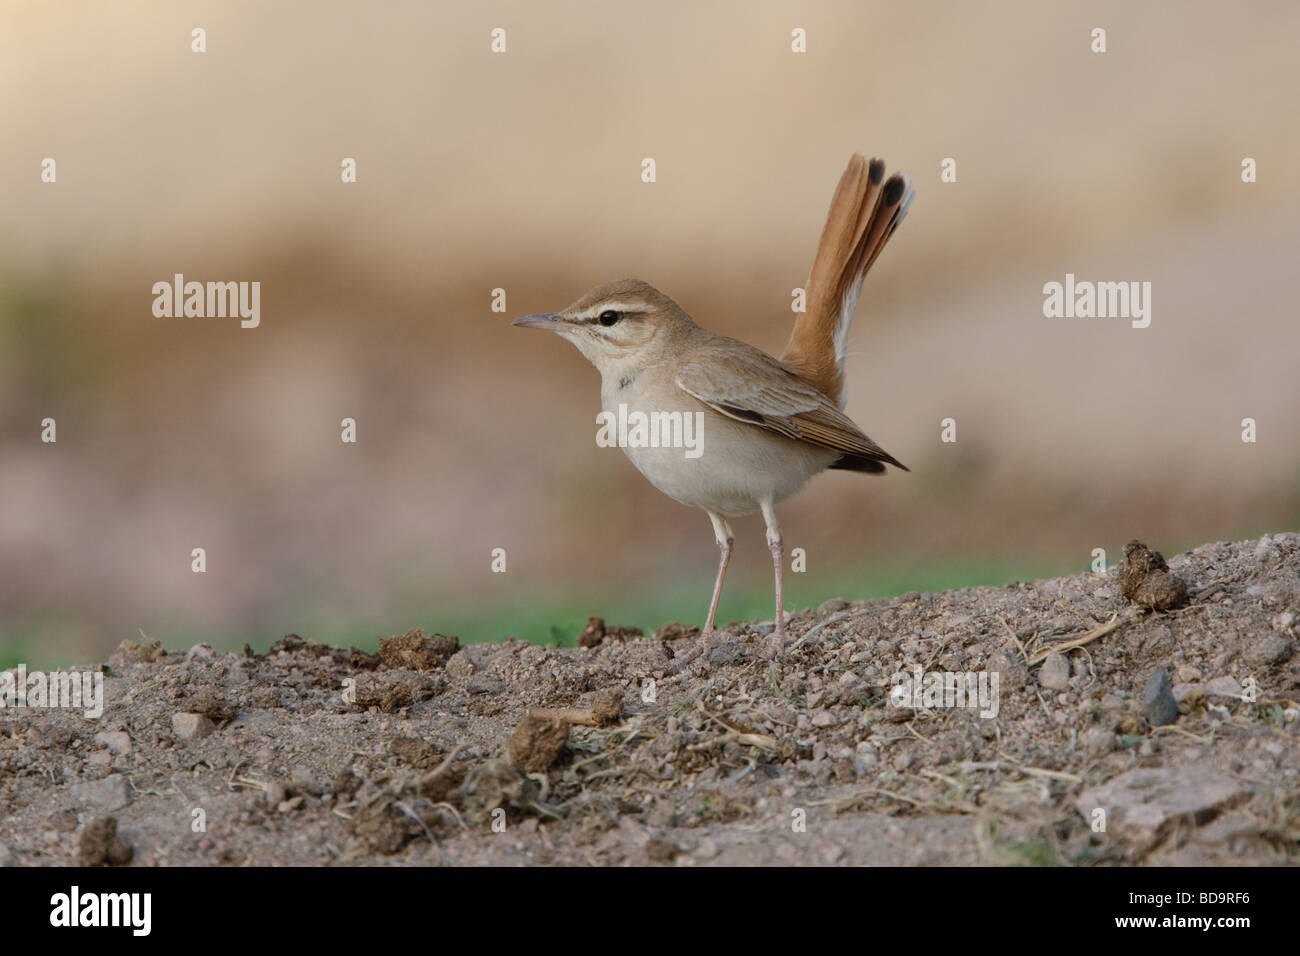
{"x": 553, "y": 619}
{"x": 557, "y": 620}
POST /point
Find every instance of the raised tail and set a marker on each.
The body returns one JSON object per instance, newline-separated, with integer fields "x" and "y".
{"x": 865, "y": 211}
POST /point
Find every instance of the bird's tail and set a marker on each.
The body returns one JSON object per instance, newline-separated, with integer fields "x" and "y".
{"x": 865, "y": 211}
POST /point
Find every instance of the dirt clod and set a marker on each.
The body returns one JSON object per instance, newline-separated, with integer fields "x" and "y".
{"x": 414, "y": 651}
{"x": 593, "y": 633}
{"x": 149, "y": 653}
{"x": 1145, "y": 579}
{"x": 661, "y": 851}
{"x": 442, "y": 781}
{"x": 1010, "y": 668}
{"x": 607, "y": 706}
{"x": 597, "y": 631}
{"x": 99, "y": 844}
{"x": 676, "y": 631}
{"x": 347, "y": 783}
{"x": 415, "y": 752}
{"x": 383, "y": 826}
{"x": 349, "y": 657}
{"x": 211, "y": 705}
{"x": 537, "y": 742}
{"x": 393, "y": 692}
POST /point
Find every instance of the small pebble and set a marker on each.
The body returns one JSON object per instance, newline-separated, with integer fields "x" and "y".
{"x": 118, "y": 741}
{"x": 191, "y": 726}
{"x": 1223, "y": 687}
{"x": 1158, "y": 700}
{"x": 1055, "y": 672}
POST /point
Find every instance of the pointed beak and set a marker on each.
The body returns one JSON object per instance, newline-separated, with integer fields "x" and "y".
{"x": 542, "y": 320}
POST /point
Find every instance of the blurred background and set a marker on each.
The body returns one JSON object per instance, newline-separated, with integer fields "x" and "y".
{"x": 522, "y": 171}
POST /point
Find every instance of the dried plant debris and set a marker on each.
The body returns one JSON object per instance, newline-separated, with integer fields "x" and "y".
{"x": 606, "y": 707}
{"x": 440, "y": 783}
{"x": 1182, "y": 729}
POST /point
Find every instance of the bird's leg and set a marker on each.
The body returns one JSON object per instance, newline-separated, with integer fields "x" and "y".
{"x": 777, "y": 547}
{"x": 726, "y": 540}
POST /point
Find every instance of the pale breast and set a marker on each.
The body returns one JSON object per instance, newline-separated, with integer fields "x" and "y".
{"x": 700, "y": 457}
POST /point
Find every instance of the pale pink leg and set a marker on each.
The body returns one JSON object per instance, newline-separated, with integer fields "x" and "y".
{"x": 777, "y": 547}
{"x": 726, "y": 540}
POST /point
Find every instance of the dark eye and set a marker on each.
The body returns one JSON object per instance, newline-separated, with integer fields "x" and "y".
{"x": 608, "y": 317}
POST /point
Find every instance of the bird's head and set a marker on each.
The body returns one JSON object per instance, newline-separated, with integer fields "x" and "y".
{"x": 618, "y": 325}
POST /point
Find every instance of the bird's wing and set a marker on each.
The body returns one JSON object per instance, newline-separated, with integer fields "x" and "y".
{"x": 750, "y": 386}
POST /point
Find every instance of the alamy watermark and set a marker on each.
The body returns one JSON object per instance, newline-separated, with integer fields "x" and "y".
{"x": 1098, "y": 300}
{"x": 75, "y": 909}
{"x": 624, "y": 429}
{"x": 213, "y": 300}
{"x": 71, "y": 690}
{"x": 947, "y": 689}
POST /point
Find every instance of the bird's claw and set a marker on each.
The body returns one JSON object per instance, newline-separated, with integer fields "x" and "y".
{"x": 700, "y": 649}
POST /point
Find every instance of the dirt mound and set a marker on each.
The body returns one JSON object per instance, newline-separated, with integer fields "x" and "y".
{"x": 1040, "y": 723}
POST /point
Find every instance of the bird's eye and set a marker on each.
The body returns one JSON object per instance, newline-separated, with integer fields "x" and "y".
{"x": 608, "y": 317}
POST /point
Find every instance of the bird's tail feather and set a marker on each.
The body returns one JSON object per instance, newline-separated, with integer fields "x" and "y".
{"x": 865, "y": 211}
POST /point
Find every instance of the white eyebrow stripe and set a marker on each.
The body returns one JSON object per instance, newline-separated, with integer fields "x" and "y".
{"x": 623, "y": 305}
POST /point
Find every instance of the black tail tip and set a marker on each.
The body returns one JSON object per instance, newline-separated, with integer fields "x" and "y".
{"x": 894, "y": 189}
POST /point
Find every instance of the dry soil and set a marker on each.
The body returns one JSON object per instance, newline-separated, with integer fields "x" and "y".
{"x": 427, "y": 754}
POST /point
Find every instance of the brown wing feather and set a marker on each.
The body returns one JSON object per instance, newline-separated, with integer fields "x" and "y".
{"x": 743, "y": 383}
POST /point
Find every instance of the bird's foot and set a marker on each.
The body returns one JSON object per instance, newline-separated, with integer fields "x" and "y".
{"x": 777, "y": 642}
{"x": 700, "y": 649}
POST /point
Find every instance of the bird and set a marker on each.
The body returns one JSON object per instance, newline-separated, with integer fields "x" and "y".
{"x": 765, "y": 425}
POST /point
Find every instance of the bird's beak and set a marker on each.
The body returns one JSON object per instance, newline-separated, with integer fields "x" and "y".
{"x": 542, "y": 320}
